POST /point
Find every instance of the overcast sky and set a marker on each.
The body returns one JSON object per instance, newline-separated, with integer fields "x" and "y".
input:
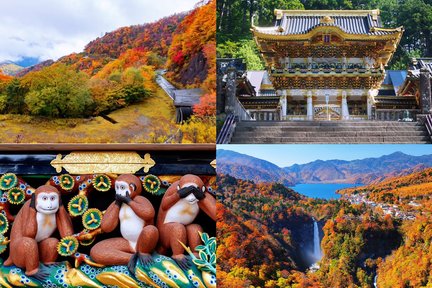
{"x": 49, "y": 29}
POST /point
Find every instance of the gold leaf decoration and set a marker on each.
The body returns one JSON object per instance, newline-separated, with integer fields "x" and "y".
{"x": 213, "y": 163}
{"x": 3, "y": 281}
{"x": 102, "y": 162}
{"x": 116, "y": 279}
{"x": 75, "y": 278}
{"x": 143, "y": 277}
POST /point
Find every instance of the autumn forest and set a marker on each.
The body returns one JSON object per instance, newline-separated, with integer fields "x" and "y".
{"x": 376, "y": 235}
{"x": 112, "y": 85}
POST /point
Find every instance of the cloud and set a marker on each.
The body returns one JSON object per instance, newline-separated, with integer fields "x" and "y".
{"x": 50, "y": 29}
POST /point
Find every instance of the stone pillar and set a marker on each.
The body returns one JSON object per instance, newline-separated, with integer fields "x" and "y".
{"x": 369, "y": 104}
{"x": 220, "y": 95}
{"x": 231, "y": 87}
{"x": 345, "y": 111}
{"x": 309, "y": 106}
{"x": 283, "y": 105}
{"x": 425, "y": 91}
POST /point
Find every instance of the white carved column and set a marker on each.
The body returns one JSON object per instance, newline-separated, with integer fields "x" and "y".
{"x": 283, "y": 105}
{"x": 369, "y": 104}
{"x": 345, "y": 111}
{"x": 309, "y": 106}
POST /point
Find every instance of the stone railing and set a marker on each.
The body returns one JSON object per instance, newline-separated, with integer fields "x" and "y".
{"x": 266, "y": 115}
{"x": 227, "y": 130}
{"x": 240, "y": 112}
{"x": 428, "y": 124}
{"x": 396, "y": 114}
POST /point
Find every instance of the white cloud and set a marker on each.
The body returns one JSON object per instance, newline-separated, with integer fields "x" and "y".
{"x": 49, "y": 29}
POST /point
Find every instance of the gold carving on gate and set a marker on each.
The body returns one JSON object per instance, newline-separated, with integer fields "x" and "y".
{"x": 327, "y": 20}
{"x": 213, "y": 163}
{"x": 102, "y": 162}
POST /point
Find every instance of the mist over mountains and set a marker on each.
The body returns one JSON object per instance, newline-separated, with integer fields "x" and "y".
{"x": 366, "y": 171}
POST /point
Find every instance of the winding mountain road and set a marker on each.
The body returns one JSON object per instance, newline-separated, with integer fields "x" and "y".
{"x": 164, "y": 84}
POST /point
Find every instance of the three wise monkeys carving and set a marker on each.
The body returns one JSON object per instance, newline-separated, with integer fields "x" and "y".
{"x": 142, "y": 230}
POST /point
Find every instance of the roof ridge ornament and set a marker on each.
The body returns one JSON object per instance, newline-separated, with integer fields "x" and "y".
{"x": 254, "y": 15}
{"x": 279, "y": 13}
{"x": 327, "y": 20}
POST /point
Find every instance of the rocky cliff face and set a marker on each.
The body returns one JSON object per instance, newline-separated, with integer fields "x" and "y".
{"x": 266, "y": 220}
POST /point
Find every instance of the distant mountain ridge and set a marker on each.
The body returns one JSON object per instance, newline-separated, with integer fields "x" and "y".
{"x": 246, "y": 167}
{"x": 155, "y": 37}
{"x": 9, "y": 68}
{"x": 364, "y": 171}
{"x": 182, "y": 43}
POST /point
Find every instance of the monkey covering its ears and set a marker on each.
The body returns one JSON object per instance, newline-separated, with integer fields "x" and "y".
{"x": 38, "y": 219}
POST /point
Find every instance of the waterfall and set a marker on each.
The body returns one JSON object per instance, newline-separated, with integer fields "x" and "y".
{"x": 317, "y": 245}
{"x": 375, "y": 281}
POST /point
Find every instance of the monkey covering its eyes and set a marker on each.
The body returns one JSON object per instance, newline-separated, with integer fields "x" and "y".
{"x": 179, "y": 208}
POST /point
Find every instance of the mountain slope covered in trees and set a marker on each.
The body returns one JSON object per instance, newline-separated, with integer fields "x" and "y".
{"x": 252, "y": 216}
{"x": 117, "y": 71}
{"x": 360, "y": 240}
{"x": 364, "y": 171}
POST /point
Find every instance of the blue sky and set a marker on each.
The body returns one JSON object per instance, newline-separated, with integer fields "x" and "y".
{"x": 289, "y": 154}
{"x": 49, "y": 29}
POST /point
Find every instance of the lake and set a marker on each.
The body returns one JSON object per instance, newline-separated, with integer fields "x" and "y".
{"x": 322, "y": 190}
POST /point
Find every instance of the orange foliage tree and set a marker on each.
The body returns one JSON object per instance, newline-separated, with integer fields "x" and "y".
{"x": 207, "y": 105}
{"x": 191, "y": 57}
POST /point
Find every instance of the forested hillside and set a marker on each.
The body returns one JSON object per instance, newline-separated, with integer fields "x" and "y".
{"x": 265, "y": 235}
{"x": 234, "y": 21}
{"x": 405, "y": 197}
{"x": 119, "y": 70}
{"x": 383, "y": 229}
{"x": 155, "y": 37}
{"x": 112, "y": 72}
{"x": 191, "y": 56}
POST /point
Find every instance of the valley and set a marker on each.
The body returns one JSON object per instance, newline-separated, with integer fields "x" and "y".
{"x": 135, "y": 123}
{"x": 108, "y": 93}
{"x": 268, "y": 232}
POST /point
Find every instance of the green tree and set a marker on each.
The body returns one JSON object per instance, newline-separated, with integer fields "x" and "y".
{"x": 133, "y": 85}
{"x": 14, "y": 97}
{"x": 265, "y": 9}
{"x": 416, "y": 17}
{"x": 58, "y": 91}
{"x": 234, "y": 16}
{"x": 245, "y": 49}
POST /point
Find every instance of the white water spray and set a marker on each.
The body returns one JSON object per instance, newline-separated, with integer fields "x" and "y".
{"x": 317, "y": 245}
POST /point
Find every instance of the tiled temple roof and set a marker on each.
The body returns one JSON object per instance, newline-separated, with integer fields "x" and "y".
{"x": 295, "y": 22}
{"x": 417, "y": 64}
{"x": 413, "y": 76}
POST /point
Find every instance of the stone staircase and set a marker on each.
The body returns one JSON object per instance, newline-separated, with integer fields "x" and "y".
{"x": 330, "y": 132}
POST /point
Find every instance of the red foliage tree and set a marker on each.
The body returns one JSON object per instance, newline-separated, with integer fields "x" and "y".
{"x": 207, "y": 105}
